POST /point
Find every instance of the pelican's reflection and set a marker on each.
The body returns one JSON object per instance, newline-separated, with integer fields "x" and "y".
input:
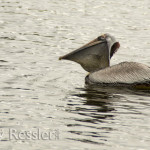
{"x": 95, "y": 111}
{"x": 94, "y": 102}
{"x": 92, "y": 108}
{"x": 99, "y": 102}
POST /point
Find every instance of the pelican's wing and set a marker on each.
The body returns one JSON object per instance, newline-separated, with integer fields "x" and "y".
{"x": 123, "y": 73}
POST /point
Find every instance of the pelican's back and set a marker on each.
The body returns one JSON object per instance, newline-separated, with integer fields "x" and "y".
{"x": 127, "y": 73}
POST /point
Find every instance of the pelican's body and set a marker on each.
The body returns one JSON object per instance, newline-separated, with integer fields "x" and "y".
{"x": 123, "y": 74}
{"x": 95, "y": 57}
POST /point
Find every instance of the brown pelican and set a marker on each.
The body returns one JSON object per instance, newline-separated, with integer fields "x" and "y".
{"x": 95, "y": 57}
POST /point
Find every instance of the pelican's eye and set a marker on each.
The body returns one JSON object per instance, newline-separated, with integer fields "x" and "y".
{"x": 102, "y": 37}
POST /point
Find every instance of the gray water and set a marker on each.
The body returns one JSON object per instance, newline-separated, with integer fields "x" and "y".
{"x": 38, "y": 92}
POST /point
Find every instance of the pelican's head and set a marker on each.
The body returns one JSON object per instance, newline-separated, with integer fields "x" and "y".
{"x": 96, "y": 54}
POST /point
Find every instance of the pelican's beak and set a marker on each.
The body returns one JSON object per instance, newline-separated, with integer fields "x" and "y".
{"x": 94, "y": 55}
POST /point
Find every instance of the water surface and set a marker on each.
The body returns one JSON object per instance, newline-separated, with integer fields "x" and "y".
{"x": 39, "y": 92}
